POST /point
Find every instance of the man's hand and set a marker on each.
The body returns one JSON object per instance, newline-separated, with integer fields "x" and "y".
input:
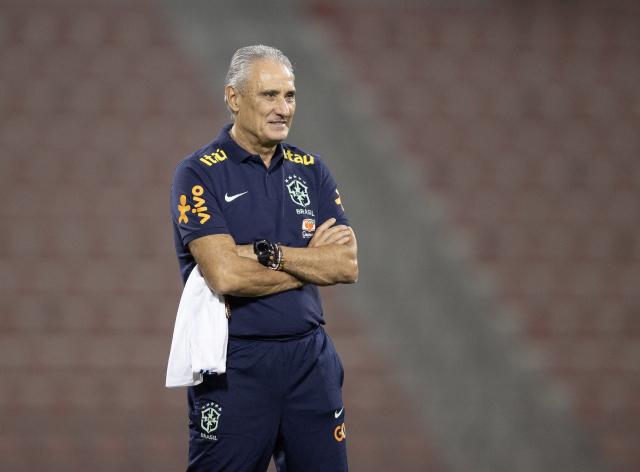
{"x": 328, "y": 234}
{"x": 333, "y": 258}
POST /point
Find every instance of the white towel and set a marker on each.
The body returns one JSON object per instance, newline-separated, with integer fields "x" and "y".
{"x": 200, "y": 335}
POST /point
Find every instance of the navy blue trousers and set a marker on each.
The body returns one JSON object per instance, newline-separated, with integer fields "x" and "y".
{"x": 280, "y": 398}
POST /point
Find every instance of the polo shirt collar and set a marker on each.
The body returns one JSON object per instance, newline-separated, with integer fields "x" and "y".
{"x": 238, "y": 154}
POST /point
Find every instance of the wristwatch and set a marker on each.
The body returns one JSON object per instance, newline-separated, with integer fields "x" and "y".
{"x": 262, "y": 249}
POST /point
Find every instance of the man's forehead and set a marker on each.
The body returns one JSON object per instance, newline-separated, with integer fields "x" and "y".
{"x": 264, "y": 72}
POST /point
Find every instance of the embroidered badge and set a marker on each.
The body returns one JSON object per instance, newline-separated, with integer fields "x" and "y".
{"x": 209, "y": 422}
{"x": 298, "y": 190}
{"x": 308, "y": 228}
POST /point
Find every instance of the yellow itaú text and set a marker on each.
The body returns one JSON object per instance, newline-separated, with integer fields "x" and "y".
{"x": 298, "y": 159}
{"x": 217, "y": 156}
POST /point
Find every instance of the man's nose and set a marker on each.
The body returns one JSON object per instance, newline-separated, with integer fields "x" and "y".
{"x": 282, "y": 107}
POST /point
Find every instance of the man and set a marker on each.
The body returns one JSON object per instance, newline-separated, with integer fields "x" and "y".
{"x": 245, "y": 209}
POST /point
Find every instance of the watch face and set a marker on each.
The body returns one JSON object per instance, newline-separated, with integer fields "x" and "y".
{"x": 263, "y": 246}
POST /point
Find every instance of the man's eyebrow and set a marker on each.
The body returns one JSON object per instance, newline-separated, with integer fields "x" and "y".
{"x": 267, "y": 92}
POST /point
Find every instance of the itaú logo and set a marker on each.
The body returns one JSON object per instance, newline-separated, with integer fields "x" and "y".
{"x": 340, "y": 433}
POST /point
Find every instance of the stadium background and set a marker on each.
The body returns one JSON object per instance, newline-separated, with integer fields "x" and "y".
{"x": 487, "y": 156}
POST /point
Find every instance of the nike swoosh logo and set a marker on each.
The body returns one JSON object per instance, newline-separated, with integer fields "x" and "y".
{"x": 227, "y": 198}
{"x": 338, "y": 413}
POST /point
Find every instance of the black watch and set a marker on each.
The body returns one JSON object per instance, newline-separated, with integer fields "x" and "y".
{"x": 262, "y": 249}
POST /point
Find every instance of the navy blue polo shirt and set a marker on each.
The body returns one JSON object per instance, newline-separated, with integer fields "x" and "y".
{"x": 224, "y": 189}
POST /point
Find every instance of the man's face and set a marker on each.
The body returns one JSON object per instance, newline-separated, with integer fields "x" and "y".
{"x": 266, "y": 108}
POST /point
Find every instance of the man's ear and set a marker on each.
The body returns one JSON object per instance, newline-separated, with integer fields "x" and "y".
{"x": 232, "y": 95}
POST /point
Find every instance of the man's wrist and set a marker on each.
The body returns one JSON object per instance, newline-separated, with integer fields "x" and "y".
{"x": 246, "y": 250}
{"x": 269, "y": 254}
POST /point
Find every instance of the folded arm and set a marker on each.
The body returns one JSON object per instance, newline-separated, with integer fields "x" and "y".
{"x": 331, "y": 257}
{"x": 324, "y": 265}
{"x": 230, "y": 274}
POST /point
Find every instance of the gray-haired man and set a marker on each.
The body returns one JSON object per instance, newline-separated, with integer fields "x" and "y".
{"x": 245, "y": 209}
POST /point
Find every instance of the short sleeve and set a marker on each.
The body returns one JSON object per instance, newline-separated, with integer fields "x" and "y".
{"x": 330, "y": 201}
{"x": 194, "y": 206}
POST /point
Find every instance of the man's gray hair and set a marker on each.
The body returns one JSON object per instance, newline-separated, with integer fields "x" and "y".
{"x": 243, "y": 59}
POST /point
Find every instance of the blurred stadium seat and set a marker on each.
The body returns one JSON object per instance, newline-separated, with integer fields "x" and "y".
{"x": 520, "y": 117}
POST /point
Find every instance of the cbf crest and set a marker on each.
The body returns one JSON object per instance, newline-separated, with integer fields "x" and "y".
{"x": 298, "y": 190}
{"x": 210, "y": 415}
